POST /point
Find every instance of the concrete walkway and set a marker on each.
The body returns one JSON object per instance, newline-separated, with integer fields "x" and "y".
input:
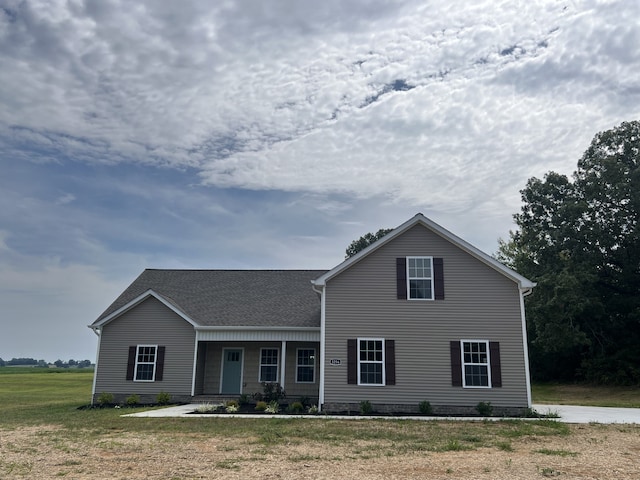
{"x": 568, "y": 414}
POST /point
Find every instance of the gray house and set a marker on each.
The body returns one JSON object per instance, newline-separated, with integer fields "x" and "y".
{"x": 418, "y": 315}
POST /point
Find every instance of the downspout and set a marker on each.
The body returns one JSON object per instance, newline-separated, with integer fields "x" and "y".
{"x": 321, "y": 291}
{"x": 525, "y": 347}
{"x": 283, "y": 368}
{"x": 195, "y": 364}
{"x": 98, "y": 332}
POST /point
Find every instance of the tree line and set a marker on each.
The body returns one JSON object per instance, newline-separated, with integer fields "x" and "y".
{"x": 579, "y": 239}
{"x": 32, "y": 362}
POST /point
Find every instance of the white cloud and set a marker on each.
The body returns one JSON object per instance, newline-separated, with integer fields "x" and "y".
{"x": 282, "y": 130}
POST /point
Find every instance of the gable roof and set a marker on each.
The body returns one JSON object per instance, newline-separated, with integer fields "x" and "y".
{"x": 419, "y": 219}
{"x": 227, "y": 298}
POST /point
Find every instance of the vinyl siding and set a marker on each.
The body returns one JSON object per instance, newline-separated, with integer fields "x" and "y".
{"x": 480, "y": 303}
{"x": 149, "y": 323}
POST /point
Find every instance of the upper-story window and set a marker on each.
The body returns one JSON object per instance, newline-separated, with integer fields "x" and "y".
{"x": 420, "y": 278}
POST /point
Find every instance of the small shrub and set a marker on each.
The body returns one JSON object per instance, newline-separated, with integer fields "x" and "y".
{"x": 313, "y": 410}
{"x": 244, "y": 399}
{"x": 365, "y": 407}
{"x": 261, "y": 406}
{"x": 232, "y": 403}
{"x": 425, "y": 408}
{"x": 206, "y": 408}
{"x": 163, "y": 398}
{"x": 296, "y": 407}
{"x": 132, "y": 399}
{"x": 273, "y": 407}
{"x": 485, "y": 409}
{"x": 272, "y": 392}
{"x": 105, "y": 398}
{"x": 305, "y": 401}
{"x": 231, "y": 407}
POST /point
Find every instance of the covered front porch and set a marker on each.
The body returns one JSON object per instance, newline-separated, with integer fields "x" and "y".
{"x": 234, "y": 362}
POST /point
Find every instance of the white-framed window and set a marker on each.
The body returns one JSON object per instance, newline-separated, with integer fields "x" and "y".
{"x": 145, "y": 368}
{"x": 268, "y": 365}
{"x": 371, "y": 361}
{"x": 305, "y": 365}
{"x": 476, "y": 370}
{"x": 420, "y": 278}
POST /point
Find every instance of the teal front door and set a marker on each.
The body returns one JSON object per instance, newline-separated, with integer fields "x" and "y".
{"x": 231, "y": 371}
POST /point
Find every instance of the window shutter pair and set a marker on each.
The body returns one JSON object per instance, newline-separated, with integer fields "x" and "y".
{"x": 494, "y": 359}
{"x": 389, "y": 361}
{"x": 438, "y": 278}
{"x": 131, "y": 362}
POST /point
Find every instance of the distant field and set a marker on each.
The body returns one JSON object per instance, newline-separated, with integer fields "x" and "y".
{"x": 43, "y": 435}
{"x": 36, "y": 395}
{"x": 8, "y": 370}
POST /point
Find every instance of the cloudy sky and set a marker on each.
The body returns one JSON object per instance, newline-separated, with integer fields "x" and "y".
{"x": 270, "y": 134}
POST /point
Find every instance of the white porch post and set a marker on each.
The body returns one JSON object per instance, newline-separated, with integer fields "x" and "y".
{"x": 283, "y": 355}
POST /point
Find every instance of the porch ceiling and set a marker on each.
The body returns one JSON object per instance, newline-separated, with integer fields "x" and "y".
{"x": 267, "y": 335}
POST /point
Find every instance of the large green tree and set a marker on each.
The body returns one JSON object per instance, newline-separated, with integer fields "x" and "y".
{"x": 579, "y": 239}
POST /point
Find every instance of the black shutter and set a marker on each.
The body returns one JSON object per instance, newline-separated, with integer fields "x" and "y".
{"x": 401, "y": 278}
{"x": 390, "y": 362}
{"x": 352, "y": 361}
{"x": 438, "y": 278}
{"x": 160, "y": 364}
{"x": 496, "y": 369}
{"x": 456, "y": 364}
{"x": 131, "y": 362}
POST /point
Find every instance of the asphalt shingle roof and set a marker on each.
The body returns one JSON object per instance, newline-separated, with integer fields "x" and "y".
{"x": 261, "y": 298}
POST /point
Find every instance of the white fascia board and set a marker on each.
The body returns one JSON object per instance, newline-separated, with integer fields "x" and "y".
{"x": 139, "y": 299}
{"x": 420, "y": 219}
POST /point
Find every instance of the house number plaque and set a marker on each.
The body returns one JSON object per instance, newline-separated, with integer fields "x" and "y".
{"x": 335, "y": 361}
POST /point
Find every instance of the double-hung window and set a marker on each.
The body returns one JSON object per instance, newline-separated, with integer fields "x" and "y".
{"x": 305, "y": 365}
{"x": 476, "y": 363}
{"x": 371, "y": 361}
{"x": 145, "y": 363}
{"x": 420, "y": 278}
{"x": 268, "y": 365}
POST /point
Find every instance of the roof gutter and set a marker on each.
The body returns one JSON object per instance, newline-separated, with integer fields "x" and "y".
{"x": 527, "y": 291}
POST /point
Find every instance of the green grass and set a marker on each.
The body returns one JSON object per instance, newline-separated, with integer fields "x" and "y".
{"x": 36, "y": 396}
{"x": 51, "y": 399}
{"x": 589, "y": 395}
{"x": 559, "y": 453}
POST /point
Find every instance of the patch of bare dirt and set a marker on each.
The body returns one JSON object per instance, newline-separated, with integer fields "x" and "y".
{"x": 46, "y": 452}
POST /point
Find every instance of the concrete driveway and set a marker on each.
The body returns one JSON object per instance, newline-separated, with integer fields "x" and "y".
{"x": 568, "y": 414}
{"x": 579, "y": 414}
